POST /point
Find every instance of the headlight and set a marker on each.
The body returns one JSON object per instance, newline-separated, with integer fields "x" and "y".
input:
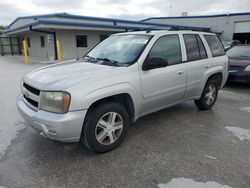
{"x": 57, "y": 102}
{"x": 247, "y": 68}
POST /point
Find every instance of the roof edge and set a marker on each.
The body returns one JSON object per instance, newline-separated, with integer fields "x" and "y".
{"x": 198, "y": 16}
{"x": 59, "y": 22}
{"x": 114, "y": 20}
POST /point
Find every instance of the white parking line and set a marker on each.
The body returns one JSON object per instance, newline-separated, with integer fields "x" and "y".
{"x": 246, "y": 109}
{"x": 210, "y": 157}
{"x": 226, "y": 92}
{"x": 189, "y": 183}
{"x": 240, "y": 133}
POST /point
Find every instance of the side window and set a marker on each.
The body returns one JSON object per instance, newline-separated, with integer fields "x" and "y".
{"x": 81, "y": 41}
{"x": 203, "y": 53}
{"x": 28, "y": 42}
{"x": 42, "y": 41}
{"x": 215, "y": 45}
{"x": 192, "y": 47}
{"x": 168, "y": 48}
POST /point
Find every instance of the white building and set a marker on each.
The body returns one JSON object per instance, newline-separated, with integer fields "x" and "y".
{"x": 77, "y": 34}
{"x": 229, "y": 26}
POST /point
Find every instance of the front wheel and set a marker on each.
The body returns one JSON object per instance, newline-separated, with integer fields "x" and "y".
{"x": 209, "y": 95}
{"x": 105, "y": 127}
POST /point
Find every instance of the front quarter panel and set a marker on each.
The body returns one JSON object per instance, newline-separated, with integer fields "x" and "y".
{"x": 96, "y": 95}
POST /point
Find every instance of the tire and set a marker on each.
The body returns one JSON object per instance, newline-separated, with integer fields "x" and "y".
{"x": 105, "y": 127}
{"x": 209, "y": 95}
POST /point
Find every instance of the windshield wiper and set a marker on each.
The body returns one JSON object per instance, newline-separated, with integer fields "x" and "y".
{"x": 113, "y": 62}
{"x": 90, "y": 58}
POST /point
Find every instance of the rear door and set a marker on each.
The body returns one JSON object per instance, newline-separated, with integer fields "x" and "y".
{"x": 197, "y": 64}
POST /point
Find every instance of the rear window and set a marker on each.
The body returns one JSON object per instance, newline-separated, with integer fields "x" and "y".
{"x": 215, "y": 45}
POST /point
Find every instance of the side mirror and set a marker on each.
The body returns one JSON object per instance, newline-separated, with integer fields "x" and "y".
{"x": 154, "y": 63}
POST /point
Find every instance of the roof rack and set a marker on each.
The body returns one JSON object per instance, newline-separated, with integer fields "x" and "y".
{"x": 174, "y": 28}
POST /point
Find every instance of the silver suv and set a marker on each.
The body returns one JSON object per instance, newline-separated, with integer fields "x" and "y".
{"x": 94, "y": 99}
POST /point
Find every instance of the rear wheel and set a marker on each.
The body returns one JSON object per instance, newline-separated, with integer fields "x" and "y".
{"x": 105, "y": 127}
{"x": 209, "y": 95}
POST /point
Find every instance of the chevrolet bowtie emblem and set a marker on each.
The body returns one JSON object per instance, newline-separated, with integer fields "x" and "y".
{"x": 26, "y": 93}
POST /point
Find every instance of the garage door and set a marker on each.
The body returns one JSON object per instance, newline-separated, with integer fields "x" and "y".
{"x": 242, "y": 27}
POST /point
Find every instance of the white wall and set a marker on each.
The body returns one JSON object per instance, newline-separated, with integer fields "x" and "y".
{"x": 225, "y": 25}
{"x": 68, "y": 42}
{"x": 35, "y": 49}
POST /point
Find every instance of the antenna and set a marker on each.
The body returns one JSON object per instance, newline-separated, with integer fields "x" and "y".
{"x": 170, "y": 8}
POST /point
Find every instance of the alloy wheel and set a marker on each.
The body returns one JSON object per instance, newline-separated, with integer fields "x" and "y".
{"x": 109, "y": 128}
{"x": 211, "y": 94}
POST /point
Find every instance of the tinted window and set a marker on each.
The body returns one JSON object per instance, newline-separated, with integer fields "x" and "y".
{"x": 42, "y": 41}
{"x": 192, "y": 47}
{"x": 28, "y": 42}
{"x": 168, "y": 48}
{"x": 81, "y": 41}
{"x": 203, "y": 53}
{"x": 215, "y": 45}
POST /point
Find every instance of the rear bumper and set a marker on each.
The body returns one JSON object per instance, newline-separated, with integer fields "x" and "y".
{"x": 239, "y": 75}
{"x": 61, "y": 127}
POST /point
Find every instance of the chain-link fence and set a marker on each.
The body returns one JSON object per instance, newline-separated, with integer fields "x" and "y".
{"x": 10, "y": 46}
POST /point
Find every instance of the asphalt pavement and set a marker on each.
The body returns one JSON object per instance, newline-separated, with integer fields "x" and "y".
{"x": 177, "y": 145}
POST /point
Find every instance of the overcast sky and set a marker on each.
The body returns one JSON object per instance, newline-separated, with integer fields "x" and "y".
{"x": 128, "y": 9}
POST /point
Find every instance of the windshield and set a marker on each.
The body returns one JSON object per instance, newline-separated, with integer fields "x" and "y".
{"x": 122, "y": 49}
{"x": 239, "y": 51}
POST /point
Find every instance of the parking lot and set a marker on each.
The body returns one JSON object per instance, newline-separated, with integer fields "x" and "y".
{"x": 179, "y": 144}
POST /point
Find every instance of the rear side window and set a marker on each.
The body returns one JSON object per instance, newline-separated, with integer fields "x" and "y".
{"x": 167, "y": 47}
{"x": 192, "y": 47}
{"x": 215, "y": 45}
{"x": 203, "y": 53}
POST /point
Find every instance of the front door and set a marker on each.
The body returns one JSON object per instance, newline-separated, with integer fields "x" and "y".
{"x": 164, "y": 86}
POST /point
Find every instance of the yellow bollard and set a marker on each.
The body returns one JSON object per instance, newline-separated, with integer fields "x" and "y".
{"x": 25, "y": 52}
{"x": 59, "y": 55}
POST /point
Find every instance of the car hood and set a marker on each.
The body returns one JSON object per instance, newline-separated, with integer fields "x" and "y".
{"x": 63, "y": 76}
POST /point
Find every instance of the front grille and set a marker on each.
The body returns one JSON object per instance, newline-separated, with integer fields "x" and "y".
{"x": 31, "y": 96}
{"x": 235, "y": 67}
{"x": 34, "y": 103}
{"x": 31, "y": 89}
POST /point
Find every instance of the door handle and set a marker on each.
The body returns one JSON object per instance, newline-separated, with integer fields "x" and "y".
{"x": 180, "y": 72}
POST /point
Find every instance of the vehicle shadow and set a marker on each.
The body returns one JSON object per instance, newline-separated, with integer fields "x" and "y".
{"x": 237, "y": 85}
{"x": 167, "y": 135}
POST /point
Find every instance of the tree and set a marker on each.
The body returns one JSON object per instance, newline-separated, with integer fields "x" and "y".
{"x": 2, "y": 27}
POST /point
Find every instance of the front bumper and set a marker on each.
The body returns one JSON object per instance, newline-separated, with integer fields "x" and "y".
{"x": 61, "y": 127}
{"x": 239, "y": 75}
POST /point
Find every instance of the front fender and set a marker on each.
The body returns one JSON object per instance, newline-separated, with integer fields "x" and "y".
{"x": 107, "y": 91}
